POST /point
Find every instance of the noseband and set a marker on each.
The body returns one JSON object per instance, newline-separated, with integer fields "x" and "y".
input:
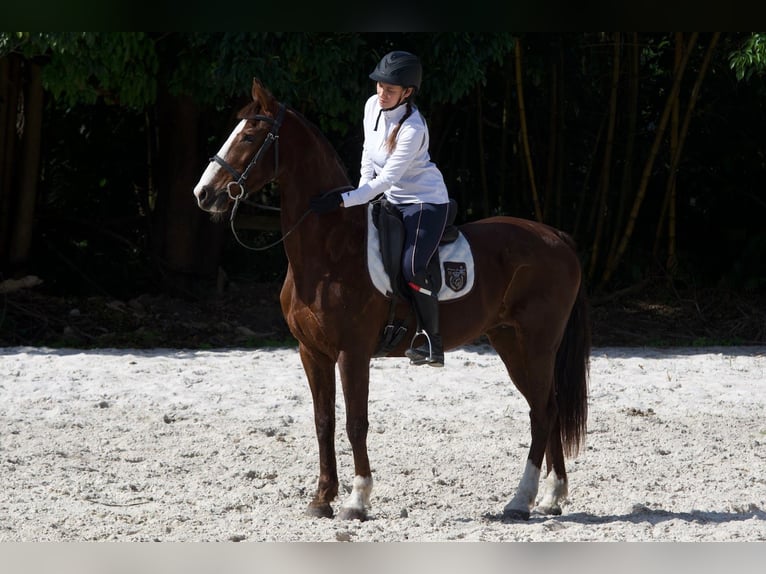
{"x": 271, "y": 138}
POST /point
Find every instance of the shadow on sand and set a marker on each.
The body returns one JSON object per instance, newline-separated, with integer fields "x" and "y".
{"x": 642, "y": 514}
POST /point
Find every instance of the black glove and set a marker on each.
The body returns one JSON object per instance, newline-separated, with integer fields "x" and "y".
{"x": 326, "y": 202}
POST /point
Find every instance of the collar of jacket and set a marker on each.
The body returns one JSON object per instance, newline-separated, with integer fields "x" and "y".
{"x": 392, "y": 115}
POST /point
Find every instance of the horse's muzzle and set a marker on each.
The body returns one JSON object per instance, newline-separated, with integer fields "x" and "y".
{"x": 212, "y": 200}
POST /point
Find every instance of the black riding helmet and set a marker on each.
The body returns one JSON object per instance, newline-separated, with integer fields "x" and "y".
{"x": 399, "y": 68}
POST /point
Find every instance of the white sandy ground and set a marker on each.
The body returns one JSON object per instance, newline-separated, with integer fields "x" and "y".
{"x": 219, "y": 446}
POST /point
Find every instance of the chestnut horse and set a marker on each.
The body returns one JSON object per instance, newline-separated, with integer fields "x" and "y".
{"x": 527, "y": 298}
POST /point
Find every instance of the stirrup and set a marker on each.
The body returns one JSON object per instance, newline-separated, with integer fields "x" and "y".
{"x": 423, "y": 355}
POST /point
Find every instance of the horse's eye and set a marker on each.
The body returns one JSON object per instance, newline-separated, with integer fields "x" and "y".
{"x": 248, "y": 138}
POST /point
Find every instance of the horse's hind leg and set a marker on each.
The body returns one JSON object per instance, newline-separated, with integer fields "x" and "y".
{"x": 555, "y": 486}
{"x": 530, "y": 367}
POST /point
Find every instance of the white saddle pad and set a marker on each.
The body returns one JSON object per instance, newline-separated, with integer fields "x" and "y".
{"x": 455, "y": 258}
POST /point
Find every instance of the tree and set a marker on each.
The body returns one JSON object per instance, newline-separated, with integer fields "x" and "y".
{"x": 749, "y": 58}
{"x": 615, "y": 138}
{"x": 72, "y": 69}
{"x": 180, "y": 89}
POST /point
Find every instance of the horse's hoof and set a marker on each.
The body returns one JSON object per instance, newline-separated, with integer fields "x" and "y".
{"x": 352, "y": 514}
{"x": 319, "y": 510}
{"x": 515, "y": 514}
{"x": 554, "y": 510}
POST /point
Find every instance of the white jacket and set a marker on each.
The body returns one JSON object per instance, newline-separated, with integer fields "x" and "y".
{"x": 405, "y": 176}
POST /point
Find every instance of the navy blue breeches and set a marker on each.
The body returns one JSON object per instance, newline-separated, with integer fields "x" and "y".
{"x": 423, "y": 224}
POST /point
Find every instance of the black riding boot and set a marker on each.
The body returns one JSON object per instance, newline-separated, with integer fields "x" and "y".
{"x": 431, "y": 352}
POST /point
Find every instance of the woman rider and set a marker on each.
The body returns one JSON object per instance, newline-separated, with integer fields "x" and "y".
{"x": 395, "y": 162}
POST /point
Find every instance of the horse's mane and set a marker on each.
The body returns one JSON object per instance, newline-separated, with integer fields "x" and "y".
{"x": 321, "y": 136}
{"x": 252, "y": 109}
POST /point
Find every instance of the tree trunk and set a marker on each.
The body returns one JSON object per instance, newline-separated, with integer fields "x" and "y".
{"x": 641, "y": 193}
{"x": 560, "y": 170}
{"x": 10, "y": 80}
{"x": 667, "y": 212}
{"x": 24, "y": 212}
{"x": 482, "y": 159}
{"x": 186, "y": 242}
{"x": 552, "y": 202}
{"x": 670, "y": 191}
{"x": 506, "y": 189}
{"x": 21, "y": 111}
{"x": 524, "y": 131}
{"x": 583, "y": 193}
{"x": 626, "y": 183}
{"x": 606, "y": 168}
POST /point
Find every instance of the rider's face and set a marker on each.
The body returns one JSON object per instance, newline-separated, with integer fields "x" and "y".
{"x": 391, "y": 95}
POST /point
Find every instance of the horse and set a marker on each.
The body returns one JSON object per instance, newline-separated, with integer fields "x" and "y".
{"x": 528, "y": 300}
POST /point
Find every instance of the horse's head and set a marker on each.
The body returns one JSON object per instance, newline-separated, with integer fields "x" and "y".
{"x": 249, "y": 158}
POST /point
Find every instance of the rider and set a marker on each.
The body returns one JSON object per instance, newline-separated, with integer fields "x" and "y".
{"x": 395, "y": 162}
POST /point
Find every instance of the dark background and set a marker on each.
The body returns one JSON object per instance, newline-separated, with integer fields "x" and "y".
{"x": 646, "y": 147}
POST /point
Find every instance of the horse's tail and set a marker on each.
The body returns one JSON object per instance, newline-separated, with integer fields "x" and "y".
{"x": 571, "y": 376}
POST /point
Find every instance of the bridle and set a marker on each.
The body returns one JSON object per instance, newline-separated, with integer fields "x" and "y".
{"x": 272, "y": 138}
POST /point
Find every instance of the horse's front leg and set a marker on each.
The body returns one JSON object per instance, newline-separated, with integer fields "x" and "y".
{"x": 320, "y": 371}
{"x": 355, "y": 378}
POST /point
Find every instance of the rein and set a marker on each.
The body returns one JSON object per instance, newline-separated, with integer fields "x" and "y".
{"x": 270, "y": 245}
{"x": 261, "y": 206}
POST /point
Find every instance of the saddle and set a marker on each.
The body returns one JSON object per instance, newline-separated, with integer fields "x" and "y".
{"x": 388, "y": 222}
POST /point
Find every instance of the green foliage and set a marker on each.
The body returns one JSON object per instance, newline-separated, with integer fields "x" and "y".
{"x": 324, "y": 74}
{"x": 318, "y": 73}
{"x": 750, "y": 57}
{"x": 85, "y": 67}
{"x": 456, "y": 62}
{"x": 96, "y": 145}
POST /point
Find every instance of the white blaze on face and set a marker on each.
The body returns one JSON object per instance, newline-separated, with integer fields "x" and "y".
{"x": 213, "y": 167}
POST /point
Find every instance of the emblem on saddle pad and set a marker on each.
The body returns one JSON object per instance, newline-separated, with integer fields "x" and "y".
{"x": 457, "y": 265}
{"x": 455, "y": 275}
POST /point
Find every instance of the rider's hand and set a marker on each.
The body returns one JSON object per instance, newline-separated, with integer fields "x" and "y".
{"x": 327, "y": 202}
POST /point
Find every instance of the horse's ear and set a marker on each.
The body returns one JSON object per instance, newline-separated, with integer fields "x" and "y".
{"x": 260, "y": 93}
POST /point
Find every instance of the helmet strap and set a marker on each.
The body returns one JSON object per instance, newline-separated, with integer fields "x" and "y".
{"x": 377, "y": 121}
